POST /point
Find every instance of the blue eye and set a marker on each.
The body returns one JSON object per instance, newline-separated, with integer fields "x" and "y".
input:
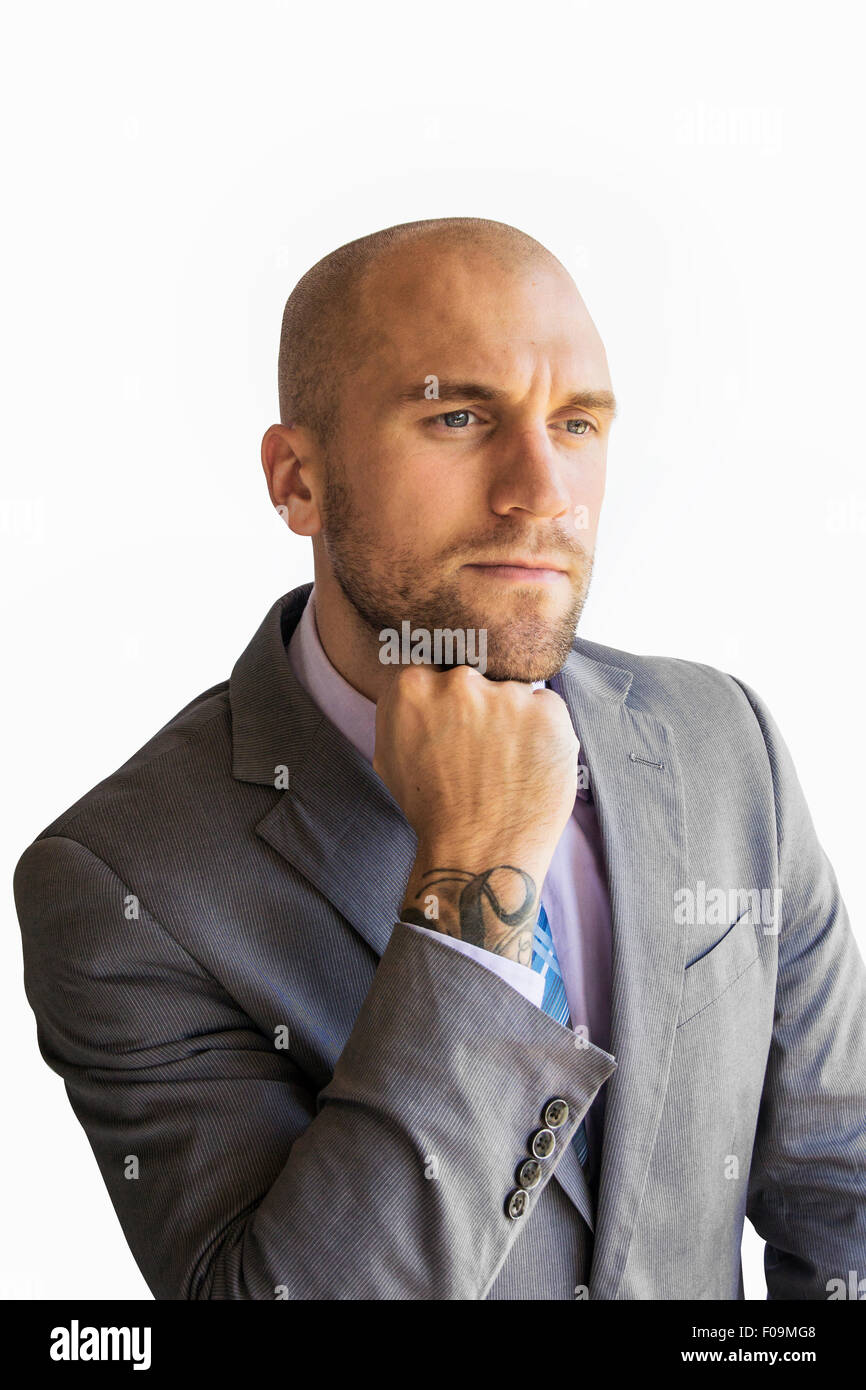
{"x": 459, "y": 419}
{"x": 453, "y": 419}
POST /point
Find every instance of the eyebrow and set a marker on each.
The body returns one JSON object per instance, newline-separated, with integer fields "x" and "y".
{"x": 600, "y": 400}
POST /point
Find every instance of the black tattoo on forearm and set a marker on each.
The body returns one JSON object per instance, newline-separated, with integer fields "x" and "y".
{"x": 476, "y": 890}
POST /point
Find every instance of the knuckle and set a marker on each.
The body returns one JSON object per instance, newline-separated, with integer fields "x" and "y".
{"x": 463, "y": 675}
{"x": 412, "y": 679}
{"x": 463, "y": 683}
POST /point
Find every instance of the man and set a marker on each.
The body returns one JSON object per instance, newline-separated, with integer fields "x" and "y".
{"x": 391, "y": 980}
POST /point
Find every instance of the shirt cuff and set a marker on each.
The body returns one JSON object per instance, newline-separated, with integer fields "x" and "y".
{"x": 527, "y": 982}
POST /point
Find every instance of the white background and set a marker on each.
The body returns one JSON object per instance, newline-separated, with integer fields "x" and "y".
{"x": 172, "y": 169}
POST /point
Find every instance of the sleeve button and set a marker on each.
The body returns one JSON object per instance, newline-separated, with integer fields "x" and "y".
{"x": 542, "y": 1143}
{"x": 516, "y": 1204}
{"x": 555, "y": 1113}
{"x": 529, "y": 1173}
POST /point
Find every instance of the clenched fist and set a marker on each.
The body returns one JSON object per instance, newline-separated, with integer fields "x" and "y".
{"x": 485, "y": 772}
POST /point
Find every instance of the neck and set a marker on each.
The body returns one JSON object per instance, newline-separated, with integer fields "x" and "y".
{"x": 348, "y": 643}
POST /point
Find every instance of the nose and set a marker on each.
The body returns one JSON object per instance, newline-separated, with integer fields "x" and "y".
{"x": 529, "y": 476}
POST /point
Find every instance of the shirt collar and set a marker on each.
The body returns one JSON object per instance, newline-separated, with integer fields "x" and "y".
{"x": 352, "y": 713}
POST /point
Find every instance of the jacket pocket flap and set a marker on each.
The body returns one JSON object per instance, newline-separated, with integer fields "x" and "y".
{"x": 711, "y": 974}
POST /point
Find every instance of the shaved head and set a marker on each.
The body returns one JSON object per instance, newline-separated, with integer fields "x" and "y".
{"x": 330, "y": 328}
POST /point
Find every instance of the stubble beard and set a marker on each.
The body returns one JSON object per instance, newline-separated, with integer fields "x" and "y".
{"x": 384, "y": 583}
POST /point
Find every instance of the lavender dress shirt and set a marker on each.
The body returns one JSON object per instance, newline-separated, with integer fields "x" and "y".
{"x": 574, "y": 893}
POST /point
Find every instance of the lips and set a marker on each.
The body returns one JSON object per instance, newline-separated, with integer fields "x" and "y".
{"x": 520, "y": 574}
{"x": 519, "y": 564}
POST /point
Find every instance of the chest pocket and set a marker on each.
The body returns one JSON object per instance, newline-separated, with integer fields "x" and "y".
{"x": 711, "y": 974}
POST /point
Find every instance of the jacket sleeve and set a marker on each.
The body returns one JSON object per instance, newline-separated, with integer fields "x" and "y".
{"x": 807, "y": 1186}
{"x": 231, "y": 1177}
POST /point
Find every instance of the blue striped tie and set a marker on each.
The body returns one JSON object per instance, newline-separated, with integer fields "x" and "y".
{"x": 554, "y": 1002}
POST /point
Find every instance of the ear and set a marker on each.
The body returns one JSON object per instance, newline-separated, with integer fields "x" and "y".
{"x": 290, "y": 465}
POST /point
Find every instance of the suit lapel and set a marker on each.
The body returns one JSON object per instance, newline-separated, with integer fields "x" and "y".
{"x": 336, "y": 822}
{"x": 635, "y": 780}
{"x": 340, "y": 828}
{"x": 338, "y": 825}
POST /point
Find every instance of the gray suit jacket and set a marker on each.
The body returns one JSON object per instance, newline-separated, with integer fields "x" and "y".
{"x": 290, "y": 1094}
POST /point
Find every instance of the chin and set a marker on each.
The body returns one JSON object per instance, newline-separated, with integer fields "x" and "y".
{"x": 529, "y": 651}
{"x": 534, "y": 666}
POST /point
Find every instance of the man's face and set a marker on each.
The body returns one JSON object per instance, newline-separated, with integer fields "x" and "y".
{"x": 424, "y": 495}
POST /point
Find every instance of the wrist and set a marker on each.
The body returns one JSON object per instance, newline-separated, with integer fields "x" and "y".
{"x": 487, "y": 899}
{"x": 474, "y": 857}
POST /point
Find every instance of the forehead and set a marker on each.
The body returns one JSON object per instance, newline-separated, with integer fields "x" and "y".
{"x": 458, "y": 311}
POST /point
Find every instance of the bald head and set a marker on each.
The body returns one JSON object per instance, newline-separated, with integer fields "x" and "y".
{"x": 330, "y": 325}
